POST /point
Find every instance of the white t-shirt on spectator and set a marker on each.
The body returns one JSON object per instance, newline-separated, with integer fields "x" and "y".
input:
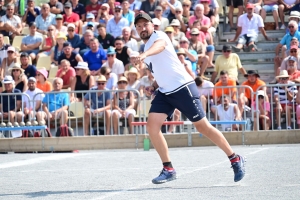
{"x": 250, "y": 27}
{"x": 132, "y": 44}
{"x": 290, "y": 2}
{"x": 14, "y": 21}
{"x": 32, "y": 94}
{"x": 206, "y": 89}
{"x": 227, "y": 115}
{"x": 117, "y": 68}
{"x": 145, "y": 81}
{"x": 136, "y": 5}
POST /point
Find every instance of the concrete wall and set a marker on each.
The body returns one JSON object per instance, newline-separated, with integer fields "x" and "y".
{"x": 129, "y": 141}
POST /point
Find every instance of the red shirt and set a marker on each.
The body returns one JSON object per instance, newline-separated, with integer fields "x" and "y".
{"x": 295, "y": 75}
{"x": 66, "y": 78}
{"x": 74, "y": 17}
{"x": 93, "y": 10}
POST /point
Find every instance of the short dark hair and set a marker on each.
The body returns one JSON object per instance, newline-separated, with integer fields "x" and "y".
{"x": 101, "y": 25}
{"x": 198, "y": 80}
{"x": 223, "y": 72}
{"x": 103, "y": 70}
{"x": 119, "y": 38}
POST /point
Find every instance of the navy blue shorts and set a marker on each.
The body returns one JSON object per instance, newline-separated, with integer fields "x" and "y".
{"x": 186, "y": 100}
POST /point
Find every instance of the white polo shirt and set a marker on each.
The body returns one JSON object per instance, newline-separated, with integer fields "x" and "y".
{"x": 117, "y": 67}
{"x": 250, "y": 27}
{"x": 14, "y": 21}
{"x": 166, "y": 68}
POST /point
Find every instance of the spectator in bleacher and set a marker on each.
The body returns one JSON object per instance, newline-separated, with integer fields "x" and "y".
{"x": 30, "y": 108}
{"x": 103, "y": 14}
{"x": 262, "y": 112}
{"x": 177, "y": 33}
{"x": 225, "y": 86}
{"x": 285, "y": 98}
{"x": 93, "y": 7}
{"x": 227, "y": 111}
{"x": 191, "y": 54}
{"x": 201, "y": 48}
{"x": 149, "y": 6}
{"x": 228, "y": 61}
{"x": 284, "y": 6}
{"x": 295, "y": 16}
{"x": 70, "y": 17}
{"x": 156, "y": 22}
{"x": 73, "y": 37}
{"x": 117, "y": 23}
{"x": 32, "y": 42}
{"x": 245, "y": 97}
{"x": 19, "y": 77}
{"x": 85, "y": 42}
{"x": 128, "y": 40}
{"x": 133, "y": 77}
{"x": 49, "y": 42}
{"x": 285, "y": 63}
{"x": 114, "y": 64}
{"x": 171, "y": 9}
{"x": 286, "y": 40}
{"x": 123, "y": 104}
{"x": 3, "y": 49}
{"x": 270, "y": 6}
{"x": 135, "y": 5}
{"x": 145, "y": 82}
{"x": 10, "y": 24}
{"x": 122, "y": 51}
{"x": 55, "y": 105}
{"x": 111, "y": 77}
{"x": 98, "y": 104}
{"x": 69, "y": 55}
{"x": 170, "y": 33}
{"x": 31, "y": 12}
{"x": 232, "y": 5}
{"x": 95, "y": 57}
{"x": 205, "y": 89}
{"x": 158, "y": 15}
{"x": 82, "y": 81}
{"x": 56, "y": 7}
{"x": 42, "y": 83}
{"x": 57, "y": 50}
{"x": 186, "y": 5}
{"x": 8, "y": 62}
{"x": 29, "y": 70}
{"x": 90, "y": 24}
{"x": 247, "y": 33}
{"x": 79, "y": 9}
{"x": 127, "y": 13}
{"x": 10, "y": 105}
{"x": 209, "y": 12}
{"x": 181, "y": 54}
{"x": 60, "y": 25}
{"x": 257, "y": 5}
{"x": 183, "y": 20}
{"x": 45, "y": 19}
{"x": 66, "y": 73}
{"x": 293, "y": 72}
{"x": 105, "y": 39}
{"x": 2, "y": 8}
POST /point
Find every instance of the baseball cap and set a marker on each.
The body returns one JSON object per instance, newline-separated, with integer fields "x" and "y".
{"x": 156, "y": 21}
{"x": 11, "y": 48}
{"x": 90, "y": 15}
{"x": 71, "y": 26}
{"x": 158, "y": 8}
{"x": 292, "y": 58}
{"x": 250, "y": 5}
{"x": 226, "y": 48}
{"x": 32, "y": 79}
{"x": 68, "y": 5}
{"x": 294, "y": 47}
{"x": 90, "y": 24}
{"x": 110, "y": 51}
{"x": 118, "y": 7}
{"x": 59, "y": 16}
{"x": 142, "y": 16}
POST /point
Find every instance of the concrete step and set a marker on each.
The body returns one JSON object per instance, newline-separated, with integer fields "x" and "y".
{"x": 261, "y": 45}
{"x": 253, "y": 56}
{"x": 276, "y": 34}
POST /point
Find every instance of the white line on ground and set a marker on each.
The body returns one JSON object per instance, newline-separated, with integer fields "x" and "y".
{"x": 149, "y": 183}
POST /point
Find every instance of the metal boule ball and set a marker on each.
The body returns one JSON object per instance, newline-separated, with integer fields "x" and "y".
{"x": 22, "y": 123}
{"x": 2, "y": 124}
{"x": 9, "y": 124}
{"x": 35, "y": 123}
{"x": 16, "y": 124}
{"x": 28, "y": 123}
{"x": 42, "y": 123}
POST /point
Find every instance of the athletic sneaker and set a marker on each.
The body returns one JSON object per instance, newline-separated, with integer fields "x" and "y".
{"x": 165, "y": 176}
{"x": 239, "y": 169}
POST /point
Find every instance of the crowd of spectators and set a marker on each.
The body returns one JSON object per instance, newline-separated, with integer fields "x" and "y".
{"x": 90, "y": 48}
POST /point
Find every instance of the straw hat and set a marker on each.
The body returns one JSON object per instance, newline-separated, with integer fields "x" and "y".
{"x": 181, "y": 51}
{"x": 61, "y": 35}
{"x": 133, "y": 70}
{"x": 169, "y": 29}
{"x": 101, "y": 78}
{"x": 16, "y": 66}
{"x": 283, "y": 74}
{"x": 123, "y": 78}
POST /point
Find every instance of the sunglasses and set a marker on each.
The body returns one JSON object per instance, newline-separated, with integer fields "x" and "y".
{"x": 107, "y": 74}
{"x": 261, "y": 97}
{"x": 168, "y": 32}
{"x": 45, "y": 8}
{"x": 183, "y": 42}
{"x": 67, "y": 7}
{"x": 122, "y": 82}
{"x": 77, "y": 69}
{"x": 284, "y": 79}
{"x": 70, "y": 30}
{"x": 178, "y": 11}
{"x": 100, "y": 83}
{"x": 227, "y": 51}
{"x": 117, "y": 11}
{"x": 103, "y": 8}
{"x": 110, "y": 55}
{"x": 9, "y": 9}
{"x": 50, "y": 30}
{"x": 293, "y": 51}
{"x": 118, "y": 44}
{"x": 10, "y": 52}
{"x": 194, "y": 34}
{"x": 156, "y": 26}
{"x": 184, "y": 5}
{"x": 59, "y": 19}
{"x": 15, "y": 70}
{"x": 291, "y": 26}
{"x": 180, "y": 54}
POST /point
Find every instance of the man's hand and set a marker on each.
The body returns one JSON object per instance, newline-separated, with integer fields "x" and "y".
{"x": 138, "y": 59}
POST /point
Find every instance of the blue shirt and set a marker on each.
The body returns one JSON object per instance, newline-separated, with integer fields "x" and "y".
{"x": 112, "y": 81}
{"x": 95, "y": 98}
{"x": 12, "y": 100}
{"x": 30, "y": 71}
{"x": 129, "y": 16}
{"x": 114, "y": 28}
{"x": 75, "y": 41}
{"x": 56, "y": 101}
{"x": 80, "y": 10}
{"x": 42, "y": 24}
{"x": 286, "y": 40}
{"x": 30, "y": 17}
{"x": 32, "y": 40}
{"x": 194, "y": 64}
{"x": 94, "y": 60}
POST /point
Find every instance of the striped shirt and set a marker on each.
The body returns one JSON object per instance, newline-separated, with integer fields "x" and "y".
{"x": 282, "y": 94}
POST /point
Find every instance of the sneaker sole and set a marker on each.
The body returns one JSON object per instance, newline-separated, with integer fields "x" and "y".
{"x": 164, "y": 181}
{"x": 243, "y": 163}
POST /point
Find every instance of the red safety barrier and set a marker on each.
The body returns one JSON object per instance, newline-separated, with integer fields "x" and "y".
{"x": 165, "y": 123}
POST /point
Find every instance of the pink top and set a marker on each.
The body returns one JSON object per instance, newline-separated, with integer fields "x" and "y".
{"x": 66, "y": 78}
{"x": 266, "y": 107}
{"x": 205, "y": 20}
